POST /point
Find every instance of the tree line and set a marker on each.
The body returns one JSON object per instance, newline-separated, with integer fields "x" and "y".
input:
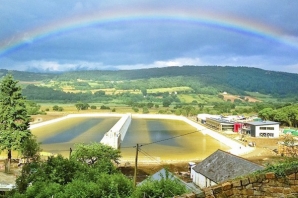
{"x": 286, "y": 115}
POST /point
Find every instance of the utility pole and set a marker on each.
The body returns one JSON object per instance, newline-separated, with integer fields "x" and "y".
{"x": 136, "y": 165}
{"x": 70, "y": 151}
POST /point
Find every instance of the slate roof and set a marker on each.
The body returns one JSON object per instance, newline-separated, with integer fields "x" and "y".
{"x": 162, "y": 174}
{"x": 221, "y": 166}
{"x": 261, "y": 123}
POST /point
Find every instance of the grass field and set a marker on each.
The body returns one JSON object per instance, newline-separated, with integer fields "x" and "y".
{"x": 262, "y": 97}
{"x": 70, "y": 108}
{"x": 170, "y": 90}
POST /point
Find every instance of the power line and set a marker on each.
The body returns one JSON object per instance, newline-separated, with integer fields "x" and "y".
{"x": 161, "y": 140}
{"x": 169, "y": 138}
{"x": 149, "y": 156}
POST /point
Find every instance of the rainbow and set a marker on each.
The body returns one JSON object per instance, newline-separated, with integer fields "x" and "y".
{"x": 198, "y": 17}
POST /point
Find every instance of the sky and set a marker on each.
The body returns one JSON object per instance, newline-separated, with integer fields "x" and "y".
{"x": 52, "y": 35}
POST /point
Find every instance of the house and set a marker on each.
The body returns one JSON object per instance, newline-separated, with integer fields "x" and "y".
{"x": 262, "y": 129}
{"x": 163, "y": 173}
{"x": 221, "y": 166}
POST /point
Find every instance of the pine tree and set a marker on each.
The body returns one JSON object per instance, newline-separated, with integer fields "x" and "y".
{"x": 14, "y": 118}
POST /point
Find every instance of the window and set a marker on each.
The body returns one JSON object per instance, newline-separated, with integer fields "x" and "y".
{"x": 267, "y": 128}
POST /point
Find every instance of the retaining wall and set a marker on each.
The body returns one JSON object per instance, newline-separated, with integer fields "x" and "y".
{"x": 36, "y": 125}
{"x": 259, "y": 186}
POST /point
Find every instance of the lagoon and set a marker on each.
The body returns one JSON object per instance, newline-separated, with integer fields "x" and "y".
{"x": 161, "y": 140}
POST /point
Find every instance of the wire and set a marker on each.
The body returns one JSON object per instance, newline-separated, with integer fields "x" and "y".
{"x": 169, "y": 138}
{"x": 148, "y": 155}
{"x": 161, "y": 140}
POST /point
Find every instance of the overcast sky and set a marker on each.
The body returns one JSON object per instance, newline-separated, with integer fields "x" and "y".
{"x": 52, "y": 35}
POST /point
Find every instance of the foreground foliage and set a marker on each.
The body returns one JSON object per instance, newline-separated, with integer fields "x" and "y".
{"x": 74, "y": 177}
{"x": 62, "y": 177}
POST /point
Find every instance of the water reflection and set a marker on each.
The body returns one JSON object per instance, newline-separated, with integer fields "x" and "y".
{"x": 167, "y": 140}
{"x": 62, "y": 135}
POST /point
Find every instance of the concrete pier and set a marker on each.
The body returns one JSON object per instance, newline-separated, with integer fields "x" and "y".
{"x": 116, "y": 134}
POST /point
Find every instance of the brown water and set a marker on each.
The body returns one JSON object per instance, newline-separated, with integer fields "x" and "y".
{"x": 167, "y": 140}
{"x": 59, "y": 137}
{"x": 160, "y": 140}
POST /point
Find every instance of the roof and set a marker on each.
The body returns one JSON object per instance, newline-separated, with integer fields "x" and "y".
{"x": 261, "y": 123}
{"x": 204, "y": 116}
{"x": 222, "y": 121}
{"x": 163, "y": 174}
{"x": 221, "y": 166}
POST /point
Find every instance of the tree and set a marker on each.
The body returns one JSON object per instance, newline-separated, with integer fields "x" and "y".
{"x": 94, "y": 153}
{"x": 14, "y": 118}
{"x": 144, "y": 91}
{"x": 266, "y": 113}
{"x": 166, "y": 102}
{"x": 145, "y": 110}
{"x": 79, "y": 106}
{"x": 33, "y": 108}
{"x": 150, "y": 105}
{"x": 93, "y": 107}
{"x": 167, "y": 186}
{"x": 55, "y": 108}
{"x": 31, "y": 149}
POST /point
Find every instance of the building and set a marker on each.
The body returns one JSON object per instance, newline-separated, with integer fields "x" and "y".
{"x": 262, "y": 129}
{"x": 219, "y": 167}
{"x": 219, "y": 124}
{"x": 201, "y": 118}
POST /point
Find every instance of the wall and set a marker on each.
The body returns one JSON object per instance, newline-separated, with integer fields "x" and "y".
{"x": 260, "y": 186}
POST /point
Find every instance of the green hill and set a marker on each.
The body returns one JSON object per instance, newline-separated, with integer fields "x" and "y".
{"x": 235, "y": 80}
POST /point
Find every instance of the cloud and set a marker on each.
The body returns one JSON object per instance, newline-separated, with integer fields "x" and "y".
{"x": 149, "y": 42}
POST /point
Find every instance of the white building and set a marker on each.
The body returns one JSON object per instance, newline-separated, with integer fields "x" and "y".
{"x": 262, "y": 129}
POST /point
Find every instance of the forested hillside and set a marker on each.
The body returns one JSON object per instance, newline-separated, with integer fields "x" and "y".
{"x": 225, "y": 78}
{"x": 214, "y": 79}
{"x": 27, "y": 76}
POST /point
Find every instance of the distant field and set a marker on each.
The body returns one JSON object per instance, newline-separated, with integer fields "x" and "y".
{"x": 170, "y": 89}
{"x": 200, "y": 98}
{"x": 70, "y": 108}
{"x": 262, "y": 97}
{"x": 233, "y": 97}
{"x": 185, "y": 98}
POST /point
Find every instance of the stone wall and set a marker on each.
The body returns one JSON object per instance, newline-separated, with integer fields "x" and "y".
{"x": 264, "y": 185}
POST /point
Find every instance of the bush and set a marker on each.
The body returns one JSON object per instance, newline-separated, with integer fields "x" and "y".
{"x": 93, "y": 107}
{"x": 135, "y": 109}
{"x": 104, "y": 107}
